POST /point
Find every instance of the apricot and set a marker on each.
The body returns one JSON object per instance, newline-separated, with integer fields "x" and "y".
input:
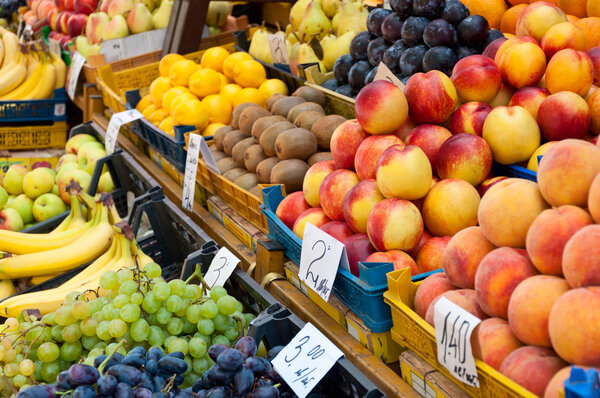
{"x": 570, "y": 70}
{"x": 581, "y": 261}
{"x": 594, "y": 199}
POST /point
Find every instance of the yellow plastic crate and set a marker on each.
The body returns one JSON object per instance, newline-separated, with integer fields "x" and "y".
{"x": 34, "y": 137}
{"x": 337, "y": 104}
{"x": 411, "y": 331}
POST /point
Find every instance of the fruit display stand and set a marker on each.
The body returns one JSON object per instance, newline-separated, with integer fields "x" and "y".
{"x": 337, "y": 104}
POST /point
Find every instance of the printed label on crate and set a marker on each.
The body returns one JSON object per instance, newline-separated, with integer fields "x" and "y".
{"x": 306, "y": 360}
{"x": 191, "y": 168}
{"x": 453, "y": 328}
{"x": 60, "y": 109}
{"x": 77, "y": 61}
{"x": 320, "y": 258}
{"x": 384, "y": 73}
{"x": 207, "y": 155}
{"x": 116, "y": 121}
{"x": 221, "y": 268}
{"x": 278, "y": 48}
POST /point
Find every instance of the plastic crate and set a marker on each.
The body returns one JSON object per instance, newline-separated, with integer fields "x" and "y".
{"x": 45, "y": 110}
{"x": 411, "y": 331}
{"x": 34, "y": 136}
{"x": 337, "y": 104}
{"x": 514, "y": 170}
{"x": 91, "y": 72}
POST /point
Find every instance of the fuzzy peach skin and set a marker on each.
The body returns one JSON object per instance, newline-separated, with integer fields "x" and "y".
{"x": 359, "y": 202}
{"x": 404, "y": 173}
{"x": 431, "y": 97}
{"x": 581, "y": 257}
{"x": 315, "y": 216}
{"x": 557, "y": 383}
{"x": 594, "y": 54}
{"x": 529, "y": 98}
{"x": 313, "y": 179}
{"x": 464, "y": 298}
{"x": 381, "y": 107}
{"x": 395, "y": 224}
{"x": 399, "y": 258}
{"x": 493, "y": 341}
{"x": 345, "y": 140}
{"x": 476, "y": 78}
{"x": 503, "y": 97}
{"x": 469, "y": 118}
{"x": 429, "y": 138}
{"x": 291, "y": 207}
{"x": 570, "y": 70}
{"x": 369, "y": 151}
{"x": 537, "y": 18}
{"x": 430, "y": 255}
{"x": 594, "y": 199}
{"x": 465, "y": 157}
{"x": 333, "y": 191}
{"x": 560, "y": 36}
{"x": 431, "y": 287}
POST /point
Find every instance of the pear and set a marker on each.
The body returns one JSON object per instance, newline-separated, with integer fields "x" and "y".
{"x": 150, "y": 4}
{"x": 116, "y": 28}
{"x": 291, "y": 36}
{"x": 259, "y": 46}
{"x": 217, "y": 13}
{"x": 331, "y": 7}
{"x": 94, "y": 50}
{"x": 297, "y": 13}
{"x": 95, "y": 25}
{"x": 315, "y": 22}
{"x": 335, "y": 21}
{"x": 83, "y": 46}
{"x": 162, "y": 15}
{"x": 336, "y": 48}
{"x": 140, "y": 19}
{"x": 119, "y": 7}
{"x": 351, "y": 18}
{"x": 307, "y": 56}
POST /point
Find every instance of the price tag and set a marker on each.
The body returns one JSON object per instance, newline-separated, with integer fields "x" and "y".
{"x": 113, "y": 50}
{"x": 306, "y": 360}
{"x": 54, "y": 47}
{"x": 384, "y": 73}
{"x": 386, "y": 5}
{"x": 453, "y": 328}
{"x": 59, "y": 109}
{"x": 77, "y": 62}
{"x": 207, "y": 155}
{"x": 278, "y": 48}
{"x": 320, "y": 258}
{"x": 191, "y": 167}
{"x": 116, "y": 121}
{"x": 221, "y": 268}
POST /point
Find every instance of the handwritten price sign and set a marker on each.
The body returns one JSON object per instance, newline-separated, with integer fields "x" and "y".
{"x": 306, "y": 360}
{"x": 221, "y": 268}
{"x": 191, "y": 168}
{"x": 384, "y": 73}
{"x": 77, "y": 61}
{"x": 116, "y": 121}
{"x": 453, "y": 328}
{"x": 278, "y": 48}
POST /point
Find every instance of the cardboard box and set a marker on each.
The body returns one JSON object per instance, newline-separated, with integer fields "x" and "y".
{"x": 29, "y": 158}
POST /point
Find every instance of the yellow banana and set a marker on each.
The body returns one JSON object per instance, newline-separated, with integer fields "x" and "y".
{"x": 32, "y": 60}
{"x": 13, "y": 75}
{"x": 28, "y": 85}
{"x": 45, "y": 87}
{"x": 1, "y": 51}
{"x": 64, "y": 224}
{"x": 61, "y": 71}
{"x": 11, "y": 48}
{"x": 73, "y": 219}
{"x": 36, "y": 280}
{"x": 7, "y": 289}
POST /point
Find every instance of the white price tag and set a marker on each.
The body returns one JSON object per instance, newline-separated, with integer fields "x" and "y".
{"x": 386, "y": 5}
{"x": 116, "y": 121}
{"x": 77, "y": 61}
{"x": 209, "y": 160}
{"x": 319, "y": 260}
{"x": 59, "y": 109}
{"x": 453, "y": 328}
{"x": 306, "y": 360}
{"x": 278, "y": 48}
{"x": 113, "y": 50}
{"x": 221, "y": 268}
{"x": 54, "y": 47}
{"x": 384, "y": 73}
{"x": 191, "y": 167}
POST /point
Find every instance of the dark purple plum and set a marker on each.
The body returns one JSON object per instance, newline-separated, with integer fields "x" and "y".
{"x": 230, "y": 359}
{"x": 330, "y": 84}
{"x": 341, "y": 67}
{"x": 357, "y": 74}
{"x": 403, "y": 8}
{"x": 375, "y": 19}
{"x": 431, "y": 9}
{"x": 412, "y": 30}
{"x": 265, "y": 392}
{"x": 473, "y": 29}
{"x": 371, "y": 75}
{"x": 404, "y": 79}
{"x": 411, "y": 60}
{"x": 391, "y": 28}
{"x": 376, "y": 49}
{"x": 492, "y": 35}
{"x": 273, "y": 352}
{"x": 391, "y": 56}
{"x": 345, "y": 90}
{"x": 358, "y": 45}
{"x": 440, "y": 32}
{"x": 440, "y": 58}
{"x": 455, "y": 12}
{"x": 464, "y": 51}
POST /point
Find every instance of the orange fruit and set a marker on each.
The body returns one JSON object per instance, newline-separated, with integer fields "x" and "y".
{"x": 191, "y": 113}
{"x": 213, "y": 58}
{"x": 166, "y": 62}
{"x": 573, "y": 7}
{"x": 180, "y": 72}
{"x": 492, "y": 10}
{"x": 517, "y": 2}
{"x": 144, "y": 102}
{"x": 167, "y": 125}
{"x": 232, "y": 60}
{"x": 205, "y": 82}
{"x": 593, "y": 8}
{"x": 272, "y": 86}
{"x": 591, "y": 28}
{"x": 249, "y": 73}
{"x": 249, "y": 95}
{"x": 158, "y": 89}
{"x": 572, "y": 18}
{"x": 218, "y": 107}
{"x": 229, "y": 91}
{"x": 171, "y": 95}
{"x": 508, "y": 23}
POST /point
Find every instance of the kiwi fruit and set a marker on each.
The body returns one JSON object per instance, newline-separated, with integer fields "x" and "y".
{"x": 264, "y": 123}
{"x": 237, "y": 153}
{"x": 268, "y": 137}
{"x": 319, "y": 156}
{"x": 234, "y": 173}
{"x": 231, "y": 139}
{"x": 306, "y": 106}
{"x": 225, "y": 165}
{"x": 237, "y": 111}
{"x": 263, "y": 169}
{"x": 218, "y": 155}
{"x": 249, "y": 116}
{"x": 307, "y": 118}
{"x": 311, "y": 94}
{"x": 324, "y": 127}
{"x": 295, "y": 143}
{"x": 247, "y": 181}
{"x": 290, "y": 173}
{"x": 220, "y": 135}
{"x": 274, "y": 98}
{"x": 253, "y": 156}
{"x": 283, "y": 106}
{"x": 255, "y": 191}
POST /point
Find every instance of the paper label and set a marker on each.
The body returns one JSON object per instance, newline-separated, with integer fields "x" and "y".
{"x": 320, "y": 258}
{"x": 278, "y": 48}
{"x": 77, "y": 62}
{"x": 386, "y": 5}
{"x": 221, "y": 268}
{"x": 60, "y": 109}
{"x": 306, "y": 360}
{"x": 54, "y": 47}
{"x": 116, "y": 121}
{"x": 113, "y": 49}
{"x": 207, "y": 155}
{"x": 384, "y": 73}
{"x": 191, "y": 168}
{"x": 453, "y": 328}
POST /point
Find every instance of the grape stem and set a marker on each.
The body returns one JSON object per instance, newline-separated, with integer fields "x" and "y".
{"x": 169, "y": 386}
{"x": 203, "y": 283}
{"x": 13, "y": 389}
{"x": 103, "y": 364}
{"x": 34, "y": 340}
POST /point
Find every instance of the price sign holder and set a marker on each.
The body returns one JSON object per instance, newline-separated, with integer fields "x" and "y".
{"x": 320, "y": 258}
{"x": 453, "y": 328}
{"x": 77, "y": 61}
{"x": 191, "y": 168}
{"x": 116, "y": 121}
{"x": 278, "y": 48}
{"x": 207, "y": 155}
{"x": 221, "y": 268}
{"x": 306, "y": 360}
{"x": 384, "y": 73}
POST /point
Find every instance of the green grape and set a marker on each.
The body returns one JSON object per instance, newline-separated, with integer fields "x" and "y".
{"x": 150, "y": 304}
{"x": 220, "y": 339}
{"x": 117, "y": 328}
{"x": 226, "y": 305}
{"x": 72, "y": 297}
{"x": 153, "y": 270}
{"x": 111, "y": 294}
{"x": 71, "y": 333}
{"x": 106, "y": 311}
{"x": 231, "y": 334}
{"x": 209, "y": 309}
{"x": 64, "y": 315}
{"x": 88, "y": 342}
{"x": 189, "y": 292}
{"x": 163, "y": 316}
{"x": 41, "y": 335}
{"x": 177, "y": 287}
{"x": 204, "y": 337}
{"x": 81, "y": 310}
{"x": 175, "y": 326}
{"x": 19, "y": 381}
{"x": 188, "y": 327}
{"x": 139, "y": 330}
{"x": 120, "y": 301}
{"x": 89, "y": 360}
{"x": 197, "y": 347}
{"x": 102, "y": 330}
{"x": 128, "y": 287}
{"x": 239, "y": 307}
{"x": 95, "y": 352}
{"x": 48, "y": 318}
{"x": 88, "y": 327}
{"x": 190, "y": 377}
{"x": 12, "y": 324}
{"x": 182, "y": 311}
{"x": 98, "y": 316}
{"x": 10, "y": 355}
{"x": 199, "y": 365}
{"x": 155, "y": 336}
{"x": 101, "y": 345}
{"x": 130, "y": 312}
{"x": 124, "y": 275}
{"x": 50, "y": 370}
{"x": 221, "y": 322}
{"x": 109, "y": 280}
{"x": 115, "y": 313}
{"x": 96, "y": 305}
{"x": 177, "y": 344}
{"x": 18, "y": 358}
{"x": 192, "y": 313}
{"x": 206, "y": 326}
{"x": 217, "y": 292}
{"x": 136, "y": 298}
{"x": 188, "y": 360}
{"x": 48, "y": 352}
{"x": 247, "y": 319}
{"x": 37, "y": 372}
{"x": 111, "y": 347}
{"x": 161, "y": 291}
{"x": 26, "y": 367}
{"x": 151, "y": 318}
{"x": 70, "y": 352}
{"x": 57, "y": 333}
{"x": 174, "y": 303}
{"x": 2, "y": 351}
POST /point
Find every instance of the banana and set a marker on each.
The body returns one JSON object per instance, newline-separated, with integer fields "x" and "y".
{"x": 13, "y": 75}
{"x": 28, "y": 85}
{"x": 73, "y": 219}
{"x": 61, "y": 71}
{"x": 11, "y": 48}
{"x": 36, "y": 280}
{"x": 64, "y": 224}
{"x": 45, "y": 86}
{"x": 32, "y": 60}
{"x": 1, "y": 51}
{"x": 7, "y": 289}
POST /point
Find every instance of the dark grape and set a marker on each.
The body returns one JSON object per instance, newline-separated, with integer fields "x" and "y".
{"x": 371, "y": 75}
{"x": 391, "y": 28}
{"x": 375, "y": 19}
{"x": 202, "y": 383}
{"x": 455, "y": 12}
{"x": 126, "y": 374}
{"x": 273, "y": 352}
{"x": 345, "y": 90}
{"x": 330, "y": 84}
{"x": 428, "y": 8}
{"x": 123, "y": 391}
{"x": 179, "y": 355}
{"x": 63, "y": 381}
{"x": 218, "y": 376}
{"x": 99, "y": 359}
{"x": 440, "y": 33}
{"x": 341, "y": 67}
{"x": 136, "y": 360}
{"x": 258, "y": 365}
{"x": 357, "y": 74}
{"x": 158, "y": 382}
{"x": 412, "y": 30}
{"x": 216, "y": 349}
{"x": 265, "y": 392}
{"x": 411, "y": 60}
{"x": 38, "y": 391}
{"x": 492, "y": 35}
{"x": 84, "y": 391}
{"x": 464, "y": 51}
{"x": 155, "y": 353}
{"x": 440, "y": 58}
{"x": 219, "y": 392}
{"x": 185, "y": 394}
{"x": 230, "y": 359}
{"x": 273, "y": 375}
{"x": 247, "y": 346}
{"x": 83, "y": 374}
{"x": 243, "y": 381}
{"x": 151, "y": 366}
{"x": 137, "y": 350}
{"x": 159, "y": 395}
{"x": 375, "y": 50}
{"x": 265, "y": 382}
{"x": 403, "y": 8}
{"x": 118, "y": 357}
{"x": 145, "y": 381}
{"x": 142, "y": 392}
{"x": 473, "y": 29}
{"x": 358, "y": 45}
{"x": 170, "y": 365}
{"x": 404, "y": 80}
{"x": 107, "y": 384}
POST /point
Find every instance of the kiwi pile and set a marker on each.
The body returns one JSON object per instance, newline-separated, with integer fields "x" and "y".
{"x": 276, "y": 145}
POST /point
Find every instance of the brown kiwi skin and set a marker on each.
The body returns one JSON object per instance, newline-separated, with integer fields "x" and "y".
{"x": 247, "y": 181}
{"x": 269, "y": 136}
{"x": 234, "y": 173}
{"x": 318, "y": 157}
{"x": 289, "y": 172}
{"x": 274, "y": 98}
{"x": 264, "y": 123}
{"x": 324, "y": 127}
{"x": 237, "y": 153}
{"x": 220, "y": 135}
{"x": 283, "y": 106}
{"x": 218, "y": 155}
{"x": 295, "y": 143}
{"x": 253, "y": 156}
{"x": 263, "y": 169}
{"x": 249, "y": 116}
{"x": 311, "y": 94}
{"x": 306, "y": 119}
{"x": 256, "y": 191}
{"x": 225, "y": 165}
{"x": 306, "y": 106}
{"x": 231, "y": 139}
{"x": 237, "y": 111}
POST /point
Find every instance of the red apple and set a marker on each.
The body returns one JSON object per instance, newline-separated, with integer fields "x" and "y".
{"x": 75, "y": 24}
{"x": 358, "y": 248}
{"x": 291, "y": 207}
{"x": 85, "y": 6}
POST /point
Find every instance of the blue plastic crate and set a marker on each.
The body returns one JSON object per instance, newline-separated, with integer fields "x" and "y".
{"x": 514, "y": 171}
{"x": 277, "y": 229}
{"x": 46, "y": 110}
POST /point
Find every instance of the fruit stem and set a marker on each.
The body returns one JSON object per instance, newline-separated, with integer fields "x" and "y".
{"x": 103, "y": 364}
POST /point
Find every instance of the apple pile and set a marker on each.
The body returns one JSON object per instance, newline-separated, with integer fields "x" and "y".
{"x": 31, "y": 196}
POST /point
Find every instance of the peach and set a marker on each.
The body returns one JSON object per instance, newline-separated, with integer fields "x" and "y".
{"x": 594, "y": 54}
{"x": 537, "y": 18}
{"x": 381, "y": 107}
{"x": 532, "y": 367}
{"x": 431, "y": 287}
{"x": 463, "y": 254}
{"x": 549, "y": 233}
{"x": 488, "y": 183}
{"x": 345, "y": 140}
{"x": 497, "y": 276}
{"x": 507, "y": 210}
{"x": 581, "y": 257}
{"x": 404, "y": 172}
{"x": 424, "y": 238}
{"x": 476, "y": 78}
{"x": 593, "y": 102}
{"x": 574, "y": 326}
{"x": 405, "y": 129}
{"x": 512, "y": 134}
{"x": 430, "y": 255}
{"x": 313, "y": 179}
{"x": 291, "y": 207}
{"x": 369, "y": 151}
{"x": 395, "y": 224}
{"x": 529, "y": 308}
{"x": 492, "y": 48}
{"x": 493, "y": 341}
{"x": 431, "y": 97}
{"x": 564, "y": 115}
{"x": 503, "y": 97}
{"x": 560, "y": 36}
{"x": 567, "y": 171}
{"x": 469, "y": 118}
{"x": 465, "y": 157}
{"x": 358, "y": 248}
{"x": 315, "y": 216}
{"x": 529, "y": 98}
{"x": 570, "y": 70}
{"x": 399, "y": 258}
{"x": 359, "y": 202}
{"x": 508, "y": 24}
{"x": 450, "y": 206}
{"x": 333, "y": 191}
{"x": 429, "y": 138}
{"x": 522, "y": 64}
{"x": 557, "y": 383}
{"x": 338, "y": 229}
{"x": 464, "y": 298}
{"x": 594, "y": 199}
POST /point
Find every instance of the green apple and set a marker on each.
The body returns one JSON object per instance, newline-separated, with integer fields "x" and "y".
{"x": 4, "y": 197}
{"x": 47, "y": 206}
{"x": 88, "y": 146}
{"x": 55, "y": 189}
{"x": 79, "y": 176}
{"x": 66, "y": 158}
{"x": 11, "y": 220}
{"x": 37, "y": 182}
{"x": 88, "y": 161}
{"x": 64, "y": 168}
{"x": 49, "y": 170}
{"x": 78, "y": 140}
{"x": 13, "y": 179}
{"x": 105, "y": 183}
{"x": 24, "y": 205}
